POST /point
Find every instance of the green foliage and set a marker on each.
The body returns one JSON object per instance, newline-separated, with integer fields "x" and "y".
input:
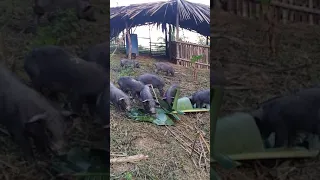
{"x": 127, "y": 71}
{"x": 196, "y": 58}
{"x": 128, "y": 176}
{"x": 166, "y": 114}
{"x": 84, "y": 164}
{"x": 63, "y": 29}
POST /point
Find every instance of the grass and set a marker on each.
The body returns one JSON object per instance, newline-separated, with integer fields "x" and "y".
{"x": 168, "y": 159}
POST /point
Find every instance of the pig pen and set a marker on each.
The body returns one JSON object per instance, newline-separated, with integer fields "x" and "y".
{"x": 253, "y": 77}
{"x": 14, "y": 45}
{"x": 168, "y": 147}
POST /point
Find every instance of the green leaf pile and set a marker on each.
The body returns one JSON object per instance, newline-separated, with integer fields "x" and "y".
{"x": 83, "y": 164}
{"x": 166, "y": 114}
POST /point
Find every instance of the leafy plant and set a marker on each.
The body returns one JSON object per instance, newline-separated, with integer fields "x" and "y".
{"x": 63, "y": 29}
{"x": 166, "y": 114}
{"x": 193, "y": 61}
{"x": 84, "y": 164}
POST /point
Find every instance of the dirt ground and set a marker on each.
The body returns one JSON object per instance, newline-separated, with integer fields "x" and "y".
{"x": 166, "y": 146}
{"x": 254, "y": 77}
{"x": 15, "y": 17}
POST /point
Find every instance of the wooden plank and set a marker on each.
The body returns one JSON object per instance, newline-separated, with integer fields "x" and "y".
{"x": 274, "y": 155}
{"x": 190, "y": 62}
{"x": 297, "y": 8}
{"x": 194, "y": 44}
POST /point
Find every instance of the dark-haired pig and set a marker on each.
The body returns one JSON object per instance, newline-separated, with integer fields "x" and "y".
{"x": 129, "y": 63}
{"x": 99, "y": 54}
{"x": 83, "y": 8}
{"x": 103, "y": 107}
{"x": 56, "y": 69}
{"x": 288, "y": 115}
{"x": 149, "y": 104}
{"x": 155, "y": 80}
{"x": 200, "y": 98}
{"x": 128, "y": 84}
{"x": 119, "y": 98}
{"x": 161, "y": 66}
{"x": 169, "y": 95}
{"x": 27, "y": 113}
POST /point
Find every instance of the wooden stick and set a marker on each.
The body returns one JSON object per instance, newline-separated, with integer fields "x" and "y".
{"x": 194, "y": 143}
{"x": 130, "y": 159}
{"x": 154, "y": 92}
{"x": 205, "y": 142}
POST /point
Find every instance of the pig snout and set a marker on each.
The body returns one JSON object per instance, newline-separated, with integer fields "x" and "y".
{"x": 153, "y": 110}
{"x": 128, "y": 107}
{"x": 59, "y": 147}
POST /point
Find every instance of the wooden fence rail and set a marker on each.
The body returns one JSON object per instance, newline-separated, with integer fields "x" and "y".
{"x": 285, "y": 11}
{"x": 183, "y": 52}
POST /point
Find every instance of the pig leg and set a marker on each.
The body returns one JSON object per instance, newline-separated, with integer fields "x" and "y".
{"x": 198, "y": 104}
{"x": 281, "y": 134}
{"x": 77, "y": 102}
{"x": 161, "y": 91}
{"x": 37, "y": 132}
{"x": 20, "y": 137}
{"x": 91, "y": 101}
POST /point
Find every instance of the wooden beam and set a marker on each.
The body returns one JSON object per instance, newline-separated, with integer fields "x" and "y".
{"x": 297, "y": 8}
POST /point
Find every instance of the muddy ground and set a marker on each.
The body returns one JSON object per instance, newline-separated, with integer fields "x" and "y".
{"x": 168, "y": 147}
{"x": 253, "y": 77}
{"x": 76, "y": 37}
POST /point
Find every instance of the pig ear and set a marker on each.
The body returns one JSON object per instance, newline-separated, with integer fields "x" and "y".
{"x": 38, "y": 117}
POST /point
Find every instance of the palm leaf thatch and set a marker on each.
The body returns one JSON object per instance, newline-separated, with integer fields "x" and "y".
{"x": 192, "y": 16}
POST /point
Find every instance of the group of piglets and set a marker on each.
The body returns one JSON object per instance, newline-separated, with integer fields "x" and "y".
{"x": 26, "y": 112}
{"x": 289, "y": 115}
{"x": 139, "y": 89}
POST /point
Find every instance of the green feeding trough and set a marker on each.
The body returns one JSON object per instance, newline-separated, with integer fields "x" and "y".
{"x": 238, "y": 137}
{"x": 166, "y": 114}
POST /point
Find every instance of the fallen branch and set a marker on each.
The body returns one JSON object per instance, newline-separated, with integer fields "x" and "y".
{"x": 205, "y": 142}
{"x": 130, "y": 159}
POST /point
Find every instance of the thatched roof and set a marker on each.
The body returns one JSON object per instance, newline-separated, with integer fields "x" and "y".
{"x": 192, "y": 16}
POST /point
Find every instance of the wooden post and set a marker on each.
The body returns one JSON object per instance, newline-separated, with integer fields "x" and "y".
{"x": 258, "y": 10}
{"x": 230, "y": 6}
{"x": 244, "y": 8}
{"x": 285, "y": 14}
{"x": 291, "y": 13}
{"x": 166, "y": 40}
{"x": 177, "y": 33}
{"x": 150, "y": 52}
{"x": 129, "y": 40}
{"x": 311, "y": 15}
{"x": 170, "y": 43}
